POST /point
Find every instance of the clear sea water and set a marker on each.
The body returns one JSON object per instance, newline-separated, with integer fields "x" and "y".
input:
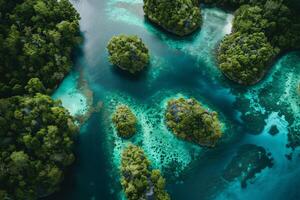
{"x": 179, "y": 67}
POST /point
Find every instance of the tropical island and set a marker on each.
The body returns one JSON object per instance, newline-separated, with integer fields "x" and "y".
{"x": 125, "y": 121}
{"x": 189, "y": 121}
{"x": 37, "y": 134}
{"x": 128, "y": 52}
{"x": 180, "y": 17}
{"x": 262, "y": 31}
{"x": 36, "y": 144}
{"x": 138, "y": 180}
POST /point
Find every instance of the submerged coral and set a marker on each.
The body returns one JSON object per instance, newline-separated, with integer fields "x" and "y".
{"x": 248, "y": 161}
{"x": 138, "y": 180}
{"x": 190, "y": 121}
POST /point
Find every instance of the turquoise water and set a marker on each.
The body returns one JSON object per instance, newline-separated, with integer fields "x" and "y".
{"x": 179, "y": 67}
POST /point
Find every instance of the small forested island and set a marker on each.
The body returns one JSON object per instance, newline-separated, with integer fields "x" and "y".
{"x": 125, "y": 121}
{"x": 37, "y": 38}
{"x": 180, "y": 17}
{"x": 36, "y": 146}
{"x": 128, "y": 52}
{"x": 262, "y": 31}
{"x": 243, "y": 58}
{"x": 190, "y": 121}
{"x": 138, "y": 180}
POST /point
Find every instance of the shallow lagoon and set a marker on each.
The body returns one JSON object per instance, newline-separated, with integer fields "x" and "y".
{"x": 179, "y": 67}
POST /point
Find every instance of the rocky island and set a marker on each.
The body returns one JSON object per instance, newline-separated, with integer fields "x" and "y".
{"x": 138, "y": 180}
{"x": 125, "y": 121}
{"x": 180, "y": 17}
{"x": 128, "y": 52}
{"x": 190, "y": 121}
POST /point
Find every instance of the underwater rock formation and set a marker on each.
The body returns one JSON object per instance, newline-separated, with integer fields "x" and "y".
{"x": 248, "y": 161}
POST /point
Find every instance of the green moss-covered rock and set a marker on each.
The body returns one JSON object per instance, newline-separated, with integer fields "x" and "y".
{"x": 190, "y": 121}
{"x": 125, "y": 121}
{"x": 180, "y": 17}
{"x": 138, "y": 180}
{"x": 128, "y": 52}
{"x": 36, "y": 146}
{"x": 245, "y": 58}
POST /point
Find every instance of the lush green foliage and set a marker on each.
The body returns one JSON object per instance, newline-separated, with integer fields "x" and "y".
{"x": 36, "y": 139}
{"x": 124, "y": 121}
{"x": 190, "y": 121}
{"x": 180, "y": 17}
{"x": 261, "y": 31}
{"x": 274, "y": 19}
{"x": 37, "y": 38}
{"x": 138, "y": 180}
{"x": 243, "y": 58}
{"x": 128, "y": 52}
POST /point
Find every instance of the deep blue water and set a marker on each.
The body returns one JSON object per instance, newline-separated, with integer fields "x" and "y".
{"x": 179, "y": 67}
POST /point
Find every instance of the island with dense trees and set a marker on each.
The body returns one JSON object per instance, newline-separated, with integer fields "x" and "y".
{"x": 188, "y": 120}
{"x": 125, "y": 121}
{"x": 36, "y": 146}
{"x": 180, "y": 17}
{"x": 138, "y": 180}
{"x": 37, "y": 134}
{"x": 243, "y": 58}
{"x": 128, "y": 52}
{"x": 37, "y": 38}
{"x": 259, "y": 26}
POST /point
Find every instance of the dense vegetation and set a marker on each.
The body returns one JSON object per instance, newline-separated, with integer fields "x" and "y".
{"x": 278, "y": 20}
{"x": 36, "y": 37}
{"x": 36, "y": 133}
{"x": 36, "y": 139}
{"x": 124, "y": 121}
{"x": 190, "y": 121}
{"x": 138, "y": 180}
{"x": 128, "y": 52}
{"x": 243, "y": 58}
{"x": 180, "y": 17}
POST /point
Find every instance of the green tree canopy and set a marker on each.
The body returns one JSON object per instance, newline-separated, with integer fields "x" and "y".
{"x": 128, "y": 52}
{"x": 36, "y": 146}
{"x": 37, "y": 38}
{"x": 180, "y": 17}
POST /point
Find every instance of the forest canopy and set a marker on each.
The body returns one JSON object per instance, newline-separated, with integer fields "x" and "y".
{"x": 128, "y": 52}
{"x": 258, "y": 27}
{"x": 37, "y": 38}
{"x": 36, "y": 144}
{"x": 125, "y": 121}
{"x": 243, "y": 58}
{"x": 180, "y": 17}
{"x": 190, "y": 121}
{"x": 138, "y": 180}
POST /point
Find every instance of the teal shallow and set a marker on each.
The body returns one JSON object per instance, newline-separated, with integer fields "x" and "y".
{"x": 179, "y": 67}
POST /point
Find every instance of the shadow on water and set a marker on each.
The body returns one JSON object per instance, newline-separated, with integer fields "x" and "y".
{"x": 88, "y": 176}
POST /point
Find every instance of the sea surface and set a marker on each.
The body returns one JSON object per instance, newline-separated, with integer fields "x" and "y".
{"x": 180, "y": 67}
